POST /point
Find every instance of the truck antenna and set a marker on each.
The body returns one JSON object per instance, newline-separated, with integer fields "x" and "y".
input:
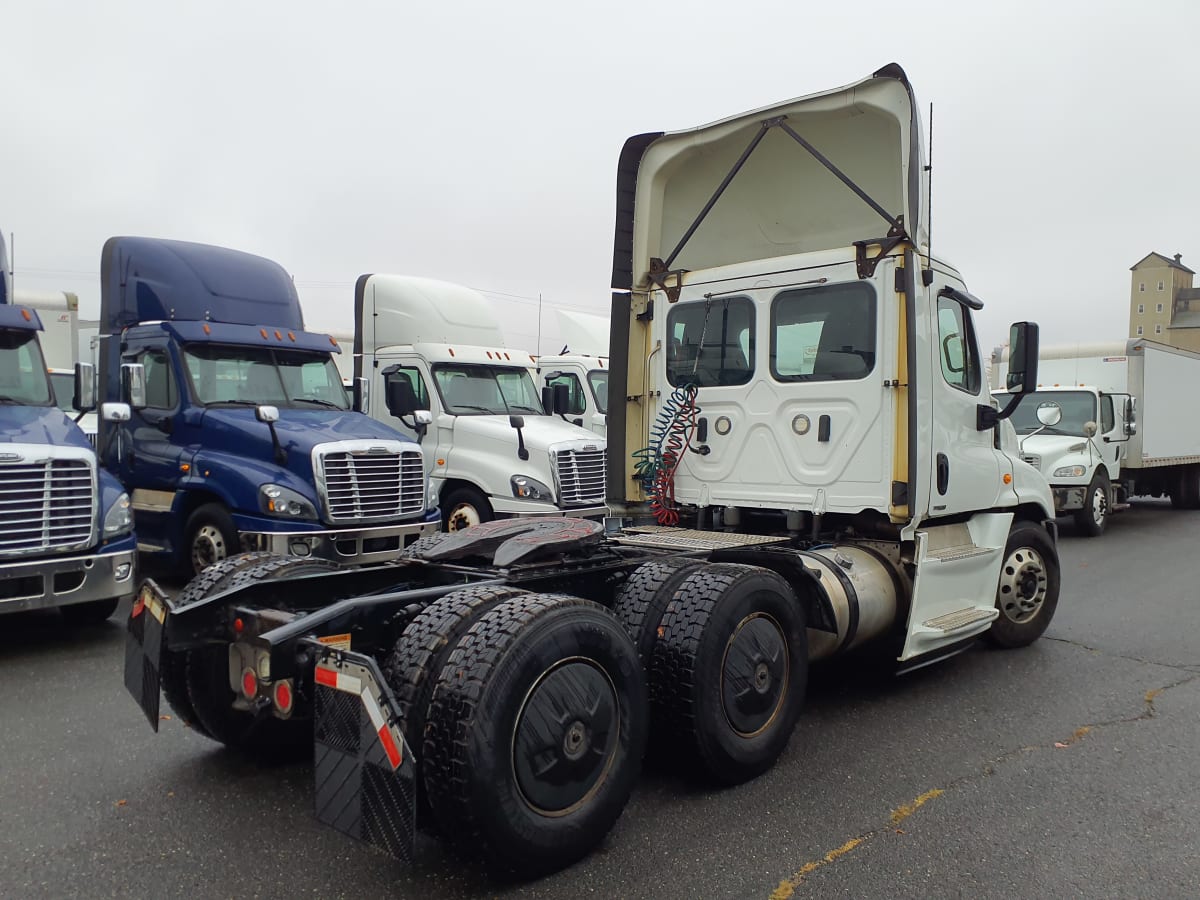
{"x": 539, "y": 336}
{"x": 927, "y": 275}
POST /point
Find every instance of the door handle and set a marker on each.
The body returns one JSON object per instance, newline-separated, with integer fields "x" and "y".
{"x": 943, "y": 473}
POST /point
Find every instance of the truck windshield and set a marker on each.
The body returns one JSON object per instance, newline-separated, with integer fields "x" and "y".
{"x": 599, "y": 382}
{"x": 64, "y": 390}
{"x": 243, "y": 376}
{"x": 486, "y": 390}
{"x": 23, "y": 378}
{"x": 1078, "y": 407}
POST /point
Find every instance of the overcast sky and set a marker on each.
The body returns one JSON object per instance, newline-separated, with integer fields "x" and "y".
{"x": 477, "y": 142}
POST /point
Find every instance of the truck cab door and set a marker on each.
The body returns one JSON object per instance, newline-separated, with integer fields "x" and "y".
{"x": 967, "y": 471}
{"x": 150, "y": 453}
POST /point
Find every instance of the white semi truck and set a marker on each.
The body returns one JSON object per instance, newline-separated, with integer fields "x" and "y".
{"x": 436, "y": 349}
{"x": 1109, "y": 422}
{"x": 809, "y": 462}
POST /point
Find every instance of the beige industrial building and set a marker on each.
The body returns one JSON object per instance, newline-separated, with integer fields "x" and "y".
{"x": 1163, "y": 305}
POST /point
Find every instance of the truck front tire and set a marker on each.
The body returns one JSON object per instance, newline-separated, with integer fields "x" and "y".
{"x": 729, "y": 671}
{"x": 1092, "y": 519}
{"x": 463, "y": 507}
{"x": 1027, "y": 594}
{"x": 211, "y": 537}
{"x": 536, "y": 730}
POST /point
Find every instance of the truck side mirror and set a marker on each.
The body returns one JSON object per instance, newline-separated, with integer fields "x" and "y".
{"x": 423, "y": 417}
{"x": 548, "y": 399}
{"x": 85, "y": 388}
{"x": 1130, "y": 416}
{"x": 562, "y": 398}
{"x": 1022, "y": 358}
{"x": 362, "y": 395}
{"x": 268, "y": 414}
{"x": 518, "y": 422}
{"x": 400, "y": 396}
{"x": 1022, "y": 374}
{"x": 133, "y": 385}
{"x": 115, "y": 412}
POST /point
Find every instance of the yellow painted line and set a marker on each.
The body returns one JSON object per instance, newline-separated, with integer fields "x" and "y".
{"x": 903, "y": 812}
{"x": 788, "y": 886}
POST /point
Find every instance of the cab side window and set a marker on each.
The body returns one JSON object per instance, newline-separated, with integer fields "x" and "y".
{"x": 576, "y": 402}
{"x": 1108, "y": 419}
{"x": 956, "y": 347}
{"x": 161, "y": 389}
{"x": 413, "y": 377}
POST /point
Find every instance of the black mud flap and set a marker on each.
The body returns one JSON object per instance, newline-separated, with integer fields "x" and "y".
{"x": 144, "y": 646}
{"x": 364, "y": 771}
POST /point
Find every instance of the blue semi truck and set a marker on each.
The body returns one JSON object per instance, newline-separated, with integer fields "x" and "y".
{"x": 242, "y": 436}
{"x": 66, "y": 529}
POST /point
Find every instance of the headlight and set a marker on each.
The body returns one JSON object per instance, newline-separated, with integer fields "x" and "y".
{"x": 119, "y": 518}
{"x": 275, "y": 500}
{"x": 432, "y": 494}
{"x": 1069, "y": 472}
{"x": 531, "y": 489}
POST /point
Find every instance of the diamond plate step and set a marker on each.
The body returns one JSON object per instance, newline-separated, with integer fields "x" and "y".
{"x": 963, "y": 551}
{"x": 667, "y": 538}
{"x": 958, "y": 620}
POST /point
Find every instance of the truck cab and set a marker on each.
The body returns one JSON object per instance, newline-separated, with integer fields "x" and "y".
{"x": 66, "y": 531}
{"x": 434, "y": 349}
{"x": 242, "y": 436}
{"x": 585, "y": 380}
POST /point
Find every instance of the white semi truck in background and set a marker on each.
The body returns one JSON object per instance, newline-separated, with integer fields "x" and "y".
{"x": 59, "y": 312}
{"x": 1109, "y": 422}
{"x": 582, "y": 369}
{"x": 436, "y": 350}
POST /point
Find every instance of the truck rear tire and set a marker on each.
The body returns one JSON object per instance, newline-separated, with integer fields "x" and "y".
{"x": 1092, "y": 519}
{"x": 413, "y": 666}
{"x": 463, "y": 507}
{"x": 206, "y": 676}
{"x": 1027, "y": 594}
{"x": 536, "y": 732}
{"x": 173, "y": 665}
{"x": 211, "y": 537}
{"x": 95, "y": 612}
{"x": 643, "y": 598}
{"x": 728, "y": 674}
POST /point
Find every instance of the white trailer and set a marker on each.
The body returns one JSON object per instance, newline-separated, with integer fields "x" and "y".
{"x": 425, "y": 346}
{"x": 1124, "y": 427}
{"x": 59, "y": 312}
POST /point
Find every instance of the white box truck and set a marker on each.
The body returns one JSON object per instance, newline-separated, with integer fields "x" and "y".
{"x": 1109, "y": 422}
{"x": 424, "y": 345}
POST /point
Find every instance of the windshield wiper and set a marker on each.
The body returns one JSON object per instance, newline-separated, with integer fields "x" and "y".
{"x": 232, "y": 403}
{"x": 4, "y": 398}
{"x": 318, "y": 401}
{"x": 524, "y": 408}
{"x": 482, "y": 409}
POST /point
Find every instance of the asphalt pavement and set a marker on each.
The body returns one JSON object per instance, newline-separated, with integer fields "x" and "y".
{"x": 1063, "y": 769}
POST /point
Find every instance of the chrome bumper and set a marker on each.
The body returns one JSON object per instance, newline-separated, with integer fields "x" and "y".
{"x": 48, "y": 583}
{"x": 352, "y": 546}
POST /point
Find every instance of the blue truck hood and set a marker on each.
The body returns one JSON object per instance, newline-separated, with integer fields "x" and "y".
{"x": 299, "y": 430}
{"x": 39, "y": 425}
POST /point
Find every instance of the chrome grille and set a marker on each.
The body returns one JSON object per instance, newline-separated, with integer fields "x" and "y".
{"x": 45, "y": 505}
{"x": 370, "y": 486}
{"x": 581, "y": 476}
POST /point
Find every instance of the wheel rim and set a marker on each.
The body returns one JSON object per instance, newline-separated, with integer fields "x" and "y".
{"x": 565, "y": 737}
{"x": 754, "y": 674}
{"x": 462, "y": 515}
{"x": 1099, "y": 505}
{"x": 208, "y": 547}
{"x": 1023, "y": 585}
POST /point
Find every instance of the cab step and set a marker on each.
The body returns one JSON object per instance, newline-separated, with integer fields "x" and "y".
{"x": 959, "y": 552}
{"x": 667, "y": 538}
{"x": 960, "y": 620}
